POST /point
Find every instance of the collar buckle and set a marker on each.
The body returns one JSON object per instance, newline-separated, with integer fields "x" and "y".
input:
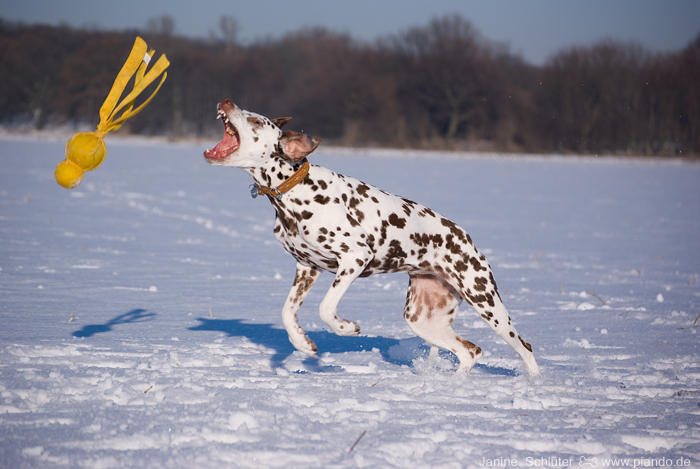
{"x": 286, "y": 186}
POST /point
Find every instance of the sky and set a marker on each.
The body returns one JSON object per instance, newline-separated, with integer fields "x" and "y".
{"x": 534, "y": 29}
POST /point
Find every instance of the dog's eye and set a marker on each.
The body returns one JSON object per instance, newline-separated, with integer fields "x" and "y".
{"x": 255, "y": 121}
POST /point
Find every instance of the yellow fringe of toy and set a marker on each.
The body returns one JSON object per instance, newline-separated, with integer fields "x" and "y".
{"x": 85, "y": 151}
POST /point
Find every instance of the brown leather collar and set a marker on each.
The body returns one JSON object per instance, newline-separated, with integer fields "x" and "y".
{"x": 286, "y": 186}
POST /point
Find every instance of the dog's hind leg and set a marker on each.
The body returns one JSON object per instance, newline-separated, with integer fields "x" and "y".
{"x": 303, "y": 281}
{"x": 431, "y": 306}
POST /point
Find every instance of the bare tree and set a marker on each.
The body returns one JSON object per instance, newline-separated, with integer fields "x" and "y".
{"x": 592, "y": 98}
{"x": 161, "y": 26}
{"x": 440, "y": 84}
{"x": 450, "y": 72}
{"x": 228, "y": 27}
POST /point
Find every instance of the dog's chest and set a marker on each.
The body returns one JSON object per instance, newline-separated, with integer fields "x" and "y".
{"x": 319, "y": 220}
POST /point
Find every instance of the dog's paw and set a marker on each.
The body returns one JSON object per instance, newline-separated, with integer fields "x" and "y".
{"x": 345, "y": 327}
{"x": 304, "y": 344}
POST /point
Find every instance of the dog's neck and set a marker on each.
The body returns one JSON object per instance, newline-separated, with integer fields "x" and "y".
{"x": 274, "y": 172}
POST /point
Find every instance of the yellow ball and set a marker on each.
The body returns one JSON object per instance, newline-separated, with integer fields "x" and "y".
{"x": 86, "y": 150}
{"x": 68, "y": 174}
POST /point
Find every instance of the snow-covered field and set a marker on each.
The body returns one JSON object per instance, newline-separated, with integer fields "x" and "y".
{"x": 176, "y": 356}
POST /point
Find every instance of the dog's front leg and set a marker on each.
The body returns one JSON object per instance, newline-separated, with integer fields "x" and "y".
{"x": 349, "y": 268}
{"x": 303, "y": 281}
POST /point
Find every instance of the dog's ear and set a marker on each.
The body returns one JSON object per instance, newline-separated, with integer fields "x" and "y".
{"x": 281, "y": 121}
{"x": 296, "y": 146}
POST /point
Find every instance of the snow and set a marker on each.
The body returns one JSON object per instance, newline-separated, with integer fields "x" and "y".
{"x": 141, "y": 318}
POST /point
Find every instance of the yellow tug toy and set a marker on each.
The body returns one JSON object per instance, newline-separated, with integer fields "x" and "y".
{"x": 85, "y": 151}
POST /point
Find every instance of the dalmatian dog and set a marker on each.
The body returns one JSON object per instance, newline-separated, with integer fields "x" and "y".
{"x": 339, "y": 224}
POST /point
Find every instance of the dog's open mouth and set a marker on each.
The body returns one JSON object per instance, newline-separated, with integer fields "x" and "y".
{"x": 228, "y": 145}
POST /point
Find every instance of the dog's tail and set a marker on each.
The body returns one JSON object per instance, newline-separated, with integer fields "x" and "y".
{"x": 487, "y": 302}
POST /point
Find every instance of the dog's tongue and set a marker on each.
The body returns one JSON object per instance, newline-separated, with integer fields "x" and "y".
{"x": 225, "y": 147}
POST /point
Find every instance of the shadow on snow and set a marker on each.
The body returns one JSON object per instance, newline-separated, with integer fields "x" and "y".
{"x": 276, "y": 339}
{"x": 133, "y": 316}
{"x": 397, "y": 352}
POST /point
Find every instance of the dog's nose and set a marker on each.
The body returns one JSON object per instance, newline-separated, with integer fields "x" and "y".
{"x": 226, "y": 105}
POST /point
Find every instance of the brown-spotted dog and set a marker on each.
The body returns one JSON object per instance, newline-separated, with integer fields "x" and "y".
{"x": 332, "y": 222}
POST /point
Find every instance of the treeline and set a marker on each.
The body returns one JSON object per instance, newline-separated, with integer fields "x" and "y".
{"x": 442, "y": 85}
